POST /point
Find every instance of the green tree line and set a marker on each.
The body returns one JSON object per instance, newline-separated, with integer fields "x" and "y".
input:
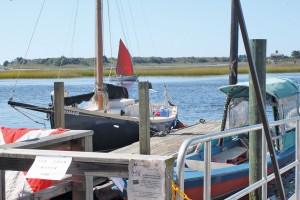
{"x": 61, "y": 61}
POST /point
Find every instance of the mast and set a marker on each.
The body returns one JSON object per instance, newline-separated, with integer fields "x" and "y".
{"x": 99, "y": 53}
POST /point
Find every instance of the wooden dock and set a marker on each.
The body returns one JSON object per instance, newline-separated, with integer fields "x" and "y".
{"x": 169, "y": 145}
{"x": 84, "y": 167}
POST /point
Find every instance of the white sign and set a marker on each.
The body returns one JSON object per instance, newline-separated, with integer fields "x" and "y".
{"x": 146, "y": 180}
{"x": 49, "y": 167}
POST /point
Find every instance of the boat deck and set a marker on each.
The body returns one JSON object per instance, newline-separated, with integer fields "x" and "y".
{"x": 170, "y": 144}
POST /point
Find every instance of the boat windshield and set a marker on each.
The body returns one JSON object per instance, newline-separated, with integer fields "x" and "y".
{"x": 238, "y": 114}
{"x": 289, "y": 109}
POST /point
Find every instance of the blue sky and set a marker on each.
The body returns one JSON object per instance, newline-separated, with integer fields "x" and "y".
{"x": 165, "y": 28}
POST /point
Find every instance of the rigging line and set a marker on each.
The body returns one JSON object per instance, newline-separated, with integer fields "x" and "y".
{"x": 110, "y": 34}
{"x": 74, "y": 30}
{"x": 136, "y": 38}
{"x": 149, "y": 31}
{"x": 72, "y": 41}
{"x": 126, "y": 29}
{"x": 23, "y": 61}
{"x": 121, "y": 22}
{"x": 27, "y": 115}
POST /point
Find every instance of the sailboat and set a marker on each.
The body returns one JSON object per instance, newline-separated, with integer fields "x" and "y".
{"x": 112, "y": 116}
{"x": 124, "y": 69}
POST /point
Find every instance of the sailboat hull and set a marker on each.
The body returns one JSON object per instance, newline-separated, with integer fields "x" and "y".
{"x": 110, "y": 131}
{"x": 124, "y": 78}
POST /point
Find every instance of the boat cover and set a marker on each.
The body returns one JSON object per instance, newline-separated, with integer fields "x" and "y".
{"x": 275, "y": 87}
{"x": 16, "y": 185}
{"x": 114, "y": 92}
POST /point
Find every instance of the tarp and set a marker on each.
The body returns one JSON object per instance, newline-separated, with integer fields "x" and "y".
{"x": 113, "y": 91}
{"x": 16, "y": 185}
{"x": 276, "y": 87}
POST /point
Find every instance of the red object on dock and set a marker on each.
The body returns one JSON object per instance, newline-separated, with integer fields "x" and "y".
{"x": 17, "y": 180}
{"x": 180, "y": 124}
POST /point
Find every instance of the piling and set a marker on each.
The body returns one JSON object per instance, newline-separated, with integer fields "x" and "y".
{"x": 261, "y": 106}
{"x": 2, "y": 184}
{"x": 255, "y": 139}
{"x": 99, "y": 56}
{"x": 233, "y": 61}
{"x": 59, "y": 117}
{"x": 234, "y": 43}
{"x": 144, "y": 124}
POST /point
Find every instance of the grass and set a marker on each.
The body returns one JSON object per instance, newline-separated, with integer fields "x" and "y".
{"x": 149, "y": 71}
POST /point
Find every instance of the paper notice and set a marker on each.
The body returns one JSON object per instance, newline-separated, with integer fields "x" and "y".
{"x": 146, "y": 180}
{"x": 49, "y": 167}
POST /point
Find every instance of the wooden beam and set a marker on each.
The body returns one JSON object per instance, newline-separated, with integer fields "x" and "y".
{"x": 53, "y": 139}
{"x": 86, "y": 163}
{"x": 2, "y": 184}
{"x": 144, "y": 124}
{"x": 259, "y": 48}
{"x": 89, "y": 163}
{"x": 59, "y": 115}
{"x": 260, "y": 103}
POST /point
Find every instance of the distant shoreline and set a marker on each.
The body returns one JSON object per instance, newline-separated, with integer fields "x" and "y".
{"x": 142, "y": 70}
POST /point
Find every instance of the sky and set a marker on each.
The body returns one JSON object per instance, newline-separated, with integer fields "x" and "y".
{"x": 164, "y": 28}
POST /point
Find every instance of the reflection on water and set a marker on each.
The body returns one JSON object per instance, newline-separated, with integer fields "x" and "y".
{"x": 196, "y": 97}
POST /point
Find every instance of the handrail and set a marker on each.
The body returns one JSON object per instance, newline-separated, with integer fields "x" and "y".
{"x": 206, "y": 139}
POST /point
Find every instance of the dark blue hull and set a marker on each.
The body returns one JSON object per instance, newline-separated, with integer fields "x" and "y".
{"x": 110, "y": 132}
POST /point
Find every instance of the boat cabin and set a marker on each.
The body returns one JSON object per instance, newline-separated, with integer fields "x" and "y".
{"x": 282, "y": 102}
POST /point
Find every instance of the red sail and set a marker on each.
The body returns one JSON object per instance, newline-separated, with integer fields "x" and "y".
{"x": 124, "y": 64}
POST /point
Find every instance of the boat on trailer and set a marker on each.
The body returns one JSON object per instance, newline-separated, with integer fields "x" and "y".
{"x": 230, "y": 164}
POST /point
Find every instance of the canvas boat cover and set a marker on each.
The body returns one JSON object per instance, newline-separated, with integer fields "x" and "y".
{"x": 275, "y": 87}
{"x": 16, "y": 185}
{"x": 114, "y": 92}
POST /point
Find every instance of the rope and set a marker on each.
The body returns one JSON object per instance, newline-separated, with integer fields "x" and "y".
{"x": 23, "y": 61}
{"x": 175, "y": 189}
{"x": 137, "y": 42}
{"x": 148, "y": 28}
{"x": 74, "y": 29}
{"x": 72, "y": 41}
{"x": 110, "y": 34}
{"x": 121, "y": 22}
{"x": 26, "y": 114}
{"x": 126, "y": 29}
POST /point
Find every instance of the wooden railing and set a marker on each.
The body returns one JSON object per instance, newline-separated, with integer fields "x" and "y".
{"x": 84, "y": 166}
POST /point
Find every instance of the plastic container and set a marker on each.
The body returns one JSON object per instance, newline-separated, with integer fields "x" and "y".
{"x": 157, "y": 113}
{"x": 115, "y": 111}
{"x": 164, "y": 112}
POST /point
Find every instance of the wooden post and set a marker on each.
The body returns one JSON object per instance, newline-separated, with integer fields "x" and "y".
{"x": 233, "y": 62}
{"x": 59, "y": 116}
{"x": 99, "y": 53}
{"x": 234, "y": 46}
{"x": 2, "y": 184}
{"x": 169, "y": 177}
{"x": 260, "y": 104}
{"x": 255, "y": 137}
{"x": 144, "y": 124}
{"x": 82, "y": 187}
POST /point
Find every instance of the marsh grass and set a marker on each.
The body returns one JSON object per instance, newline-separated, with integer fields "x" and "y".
{"x": 176, "y": 71}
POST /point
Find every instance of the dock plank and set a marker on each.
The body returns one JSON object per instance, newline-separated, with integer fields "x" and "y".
{"x": 170, "y": 144}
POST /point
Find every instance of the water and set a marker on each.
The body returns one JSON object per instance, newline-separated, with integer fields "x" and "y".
{"x": 196, "y": 97}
